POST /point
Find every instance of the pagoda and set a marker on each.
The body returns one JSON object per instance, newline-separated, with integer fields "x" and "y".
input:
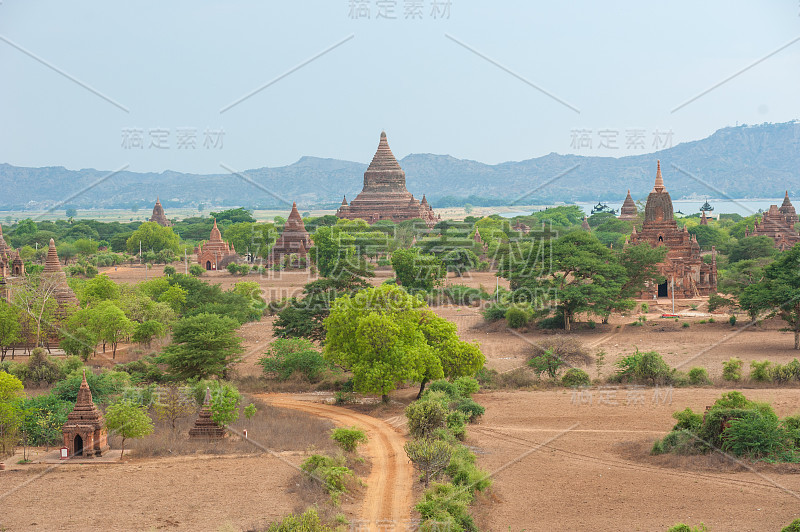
{"x": 628, "y": 210}
{"x": 384, "y": 196}
{"x": 158, "y": 215}
{"x": 294, "y": 239}
{"x": 214, "y": 254}
{"x": 778, "y": 224}
{"x": 683, "y": 264}
{"x": 52, "y": 270}
{"x": 84, "y": 431}
{"x": 204, "y": 426}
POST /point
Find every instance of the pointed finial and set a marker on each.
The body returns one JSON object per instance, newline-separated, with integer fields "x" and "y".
{"x": 383, "y": 134}
{"x": 207, "y": 400}
{"x": 52, "y": 243}
{"x": 659, "y": 185}
{"x": 215, "y": 222}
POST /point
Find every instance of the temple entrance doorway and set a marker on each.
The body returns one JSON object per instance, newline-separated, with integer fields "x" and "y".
{"x": 662, "y": 290}
{"x": 208, "y": 265}
{"x": 78, "y": 445}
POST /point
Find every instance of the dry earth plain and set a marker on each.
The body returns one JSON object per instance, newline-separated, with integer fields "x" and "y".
{"x": 560, "y": 459}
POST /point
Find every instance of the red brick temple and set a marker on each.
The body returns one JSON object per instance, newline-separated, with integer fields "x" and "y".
{"x": 11, "y": 266}
{"x": 628, "y": 210}
{"x": 294, "y": 239}
{"x": 683, "y": 264}
{"x": 158, "y": 215}
{"x": 384, "y": 196}
{"x": 214, "y": 254}
{"x": 52, "y": 269}
{"x": 204, "y": 426}
{"x": 778, "y": 224}
{"x": 84, "y": 432}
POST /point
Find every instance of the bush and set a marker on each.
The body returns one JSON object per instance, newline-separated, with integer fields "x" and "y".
{"x": 332, "y": 472}
{"x": 289, "y": 355}
{"x": 681, "y": 527}
{"x": 444, "y": 506}
{"x": 424, "y": 417}
{"x": 430, "y": 457}
{"x": 456, "y": 424}
{"x": 464, "y": 295}
{"x": 732, "y": 370}
{"x": 698, "y": 376}
{"x": 687, "y": 420}
{"x": 760, "y": 371}
{"x": 647, "y": 367}
{"x": 169, "y": 271}
{"x": 515, "y": 317}
{"x": 794, "y": 526}
{"x": 463, "y": 471}
{"x": 470, "y": 409}
{"x": 348, "y": 438}
{"x": 442, "y": 385}
{"x": 467, "y": 386}
{"x": 309, "y": 521}
{"x": 42, "y": 368}
{"x": 494, "y": 312}
{"x": 553, "y": 322}
{"x": 732, "y": 320}
{"x": 785, "y": 373}
{"x": 685, "y": 325}
{"x": 195, "y": 270}
{"x": 756, "y": 435}
{"x": 575, "y": 377}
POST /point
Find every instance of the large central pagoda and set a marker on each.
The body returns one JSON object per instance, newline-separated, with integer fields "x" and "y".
{"x": 385, "y": 196}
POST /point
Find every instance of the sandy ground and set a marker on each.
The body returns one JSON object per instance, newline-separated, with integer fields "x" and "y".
{"x": 563, "y": 464}
{"x": 388, "y": 492}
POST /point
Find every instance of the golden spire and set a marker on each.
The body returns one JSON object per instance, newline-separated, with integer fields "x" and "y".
{"x": 659, "y": 186}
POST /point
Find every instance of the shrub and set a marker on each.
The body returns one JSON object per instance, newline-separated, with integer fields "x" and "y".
{"x": 687, "y": 420}
{"x": 647, "y": 367}
{"x": 685, "y": 325}
{"x": 233, "y": 268}
{"x": 309, "y": 521}
{"x": 42, "y": 368}
{"x": 515, "y": 317}
{"x": 494, "y": 312}
{"x": 548, "y": 362}
{"x": 442, "y": 385}
{"x": 785, "y": 373}
{"x": 169, "y": 271}
{"x": 467, "y": 386}
{"x": 332, "y": 472}
{"x": 456, "y": 424}
{"x": 575, "y": 377}
{"x": 470, "y": 409}
{"x": 430, "y": 457}
{"x": 443, "y": 506}
{"x": 289, "y": 355}
{"x": 759, "y": 371}
{"x": 463, "y": 471}
{"x": 698, "y": 376}
{"x": 732, "y": 370}
{"x": 794, "y": 526}
{"x": 645, "y": 308}
{"x": 567, "y": 348}
{"x": 757, "y": 435}
{"x": 553, "y": 322}
{"x": 424, "y": 417}
{"x": 732, "y": 320}
{"x": 348, "y": 438}
{"x": 195, "y": 270}
{"x": 681, "y": 527}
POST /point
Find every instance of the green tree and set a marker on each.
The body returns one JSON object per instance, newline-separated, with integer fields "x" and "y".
{"x": 753, "y": 247}
{"x": 145, "y": 332}
{"x": 778, "y": 292}
{"x": 225, "y": 399}
{"x": 334, "y": 253}
{"x": 582, "y": 276}
{"x": 25, "y": 227}
{"x": 202, "y": 346}
{"x": 416, "y": 270}
{"x": 66, "y": 251}
{"x": 35, "y": 295}
{"x": 175, "y": 297}
{"x": 153, "y": 237}
{"x": 10, "y": 327}
{"x": 129, "y": 420}
{"x": 173, "y": 404}
{"x": 386, "y": 336}
{"x": 100, "y": 288}
{"x": 12, "y": 413}
{"x": 430, "y": 457}
{"x": 79, "y": 342}
{"x": 86, "y": 247}
{"x": 640, "y": 264}
{"x": 460, "y": 260}
{"x": 109, "y": 324}
{"x": 71, "y": 212}
{"x": 239, "y": 214}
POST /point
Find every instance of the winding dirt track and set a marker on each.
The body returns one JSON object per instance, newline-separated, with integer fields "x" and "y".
{"x": 388, "y": 493}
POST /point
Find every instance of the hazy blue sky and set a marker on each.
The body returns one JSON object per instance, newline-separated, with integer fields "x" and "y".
{"x": 623, "y": 65}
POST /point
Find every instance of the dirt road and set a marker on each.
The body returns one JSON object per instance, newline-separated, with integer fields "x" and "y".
{"x": 388, "y": 493}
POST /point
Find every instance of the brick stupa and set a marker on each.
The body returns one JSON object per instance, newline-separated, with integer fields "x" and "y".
{"x": 294, "y": 239}
{"x": 158, "y": 215}
{"x": 204, "y": 426}
{"x": 85, "y": 432}
{"x": 384, "y": 196}
{"x": 214, "y": 254}
{"x": 683, "y": 263}
{"x": 52, "y": 269}
{"x": 628, "y": 210}
{"x": 778, "y": 224}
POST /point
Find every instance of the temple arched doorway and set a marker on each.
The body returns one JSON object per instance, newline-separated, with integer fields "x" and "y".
{"x": 662, "y": 290}
{"x": 77, "y": 445}
{"x": 208, "y": 265}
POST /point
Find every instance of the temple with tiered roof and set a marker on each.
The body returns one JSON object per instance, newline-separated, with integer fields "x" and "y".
{"x": 52, "y": 270}
{"x": 294, "y": 239}
{"x": 84, "y": 431}
{"x": 205, "y": 427}
{"x": 11, "y": 266}
{"x": 683, "y": 264}
{"x": 214, "y": 254}
{"x": 778, "y": 224}
{"x": 384, "y": 196}
{"x": 158, "y": 215}
{"x": 628, "y": 210}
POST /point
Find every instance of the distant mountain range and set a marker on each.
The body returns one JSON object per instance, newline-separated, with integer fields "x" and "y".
{"x": 738, "y": 162}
